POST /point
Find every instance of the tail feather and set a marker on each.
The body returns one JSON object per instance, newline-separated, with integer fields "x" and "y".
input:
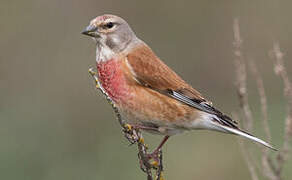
{"x": 247, "y": 135}
{"x": 224, "y": 124}
{"x": 230, "y": 126}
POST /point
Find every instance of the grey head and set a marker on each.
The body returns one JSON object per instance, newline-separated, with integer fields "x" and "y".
{"x": 111, "y": 32}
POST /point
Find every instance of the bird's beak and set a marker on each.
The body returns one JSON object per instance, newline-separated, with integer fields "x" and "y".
{"x": 91, "y": 30}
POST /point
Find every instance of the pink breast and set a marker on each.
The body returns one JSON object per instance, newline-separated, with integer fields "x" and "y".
{"x": 112, "y": 79}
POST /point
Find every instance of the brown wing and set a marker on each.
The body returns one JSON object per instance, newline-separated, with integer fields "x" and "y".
{"x": 150, "y": 71}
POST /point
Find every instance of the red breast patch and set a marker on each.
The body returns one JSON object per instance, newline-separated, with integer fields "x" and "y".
{"x": 112, "y": 79}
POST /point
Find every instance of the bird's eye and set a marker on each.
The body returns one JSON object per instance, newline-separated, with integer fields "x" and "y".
{"x": 109, "y": 25}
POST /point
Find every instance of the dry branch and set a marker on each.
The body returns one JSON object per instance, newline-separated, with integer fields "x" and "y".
{"x": 240, "y": 70}
{"x": 266, "y": 161}
{"x": 280, "y": 70}
{"x": 241, "y": 75}
{"x": 263, "y": 98}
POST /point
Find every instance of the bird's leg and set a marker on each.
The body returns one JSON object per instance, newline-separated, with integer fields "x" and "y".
{"x": 161, "y": 144}
{"x": 155, "y": 154}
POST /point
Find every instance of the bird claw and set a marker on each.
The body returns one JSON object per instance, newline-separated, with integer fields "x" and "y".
{"x": 152, "y": 161}
{"x": 155, "y": 156}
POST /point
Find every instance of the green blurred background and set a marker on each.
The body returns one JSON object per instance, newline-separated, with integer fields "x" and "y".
{"x": 55, "y": 126}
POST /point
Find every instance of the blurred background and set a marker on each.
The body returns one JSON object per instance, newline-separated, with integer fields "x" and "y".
{"x": 54, "y": 125}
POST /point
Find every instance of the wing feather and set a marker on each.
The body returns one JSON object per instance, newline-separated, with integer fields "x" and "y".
{"x": 151, "y": 71}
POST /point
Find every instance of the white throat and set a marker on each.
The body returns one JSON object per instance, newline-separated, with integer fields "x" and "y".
{"x": 103, "y": 53}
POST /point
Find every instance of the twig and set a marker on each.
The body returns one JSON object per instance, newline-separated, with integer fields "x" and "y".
{"x": 134, "y": 136}
{"x": 282, "y": 73}
{"x": 240, "y": 70}
{"x": 263, "y": 98}
{"x": 266, "y": 161}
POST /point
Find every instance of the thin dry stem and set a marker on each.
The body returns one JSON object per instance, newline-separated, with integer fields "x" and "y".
{"x": 241, "y": 75}
{"x": 263, "y": 99}
{"x": 282, "y": 73}
{"x": 240, "y": 70}
{"x": 266, "y": 161}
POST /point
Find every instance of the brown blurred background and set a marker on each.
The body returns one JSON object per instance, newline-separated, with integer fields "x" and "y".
{"x": 55, "y": 126}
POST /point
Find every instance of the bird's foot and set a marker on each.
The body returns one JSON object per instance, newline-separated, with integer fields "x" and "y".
{"x": 149, "y": 161}
{"x": 154, "y": 157}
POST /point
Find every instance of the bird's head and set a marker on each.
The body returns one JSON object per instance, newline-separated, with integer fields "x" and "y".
{"x": 110, "y": 30}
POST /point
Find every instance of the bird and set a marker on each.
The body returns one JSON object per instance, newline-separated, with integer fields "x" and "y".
{"x": 148, "y": 94}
